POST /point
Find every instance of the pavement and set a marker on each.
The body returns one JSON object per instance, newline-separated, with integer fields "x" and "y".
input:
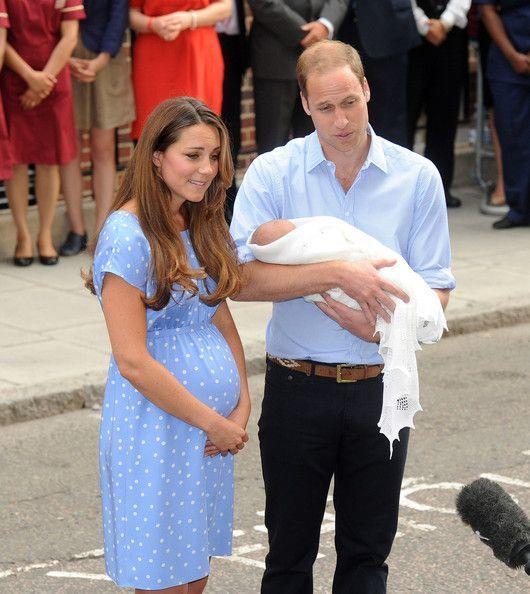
{"x": 54, "y": 349}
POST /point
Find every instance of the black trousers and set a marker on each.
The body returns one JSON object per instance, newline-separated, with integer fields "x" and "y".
{"x": 279, "y": 112}
{"x": 235, "y": 60}
{"x": 310, "y": 430}
{"x": 435, "y": 82}
{"x": 387, "y": 79}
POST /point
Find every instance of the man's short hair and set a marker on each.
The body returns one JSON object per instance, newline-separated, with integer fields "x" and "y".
{"x": 324, "y": 56}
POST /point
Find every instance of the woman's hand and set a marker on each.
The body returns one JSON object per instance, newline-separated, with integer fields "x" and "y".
{"x": 225, "y": 436}
{"x": 41, "y": 82}
{"x": 168, "y": 26}
{"x": 30, "y": 99}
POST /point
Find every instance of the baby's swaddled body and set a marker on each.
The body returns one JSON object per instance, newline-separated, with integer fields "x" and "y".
{"x": 321, "y": 239}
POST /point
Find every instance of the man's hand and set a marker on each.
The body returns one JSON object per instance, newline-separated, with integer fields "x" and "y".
{"x": 350, "y": 319}
{"x": 316, "y": 31}
{"x": 437, "y": 33}
{"x": 30, "y": 99}
{"x": 361, "y": 281}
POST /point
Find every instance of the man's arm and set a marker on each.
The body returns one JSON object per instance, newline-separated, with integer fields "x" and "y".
{"x": 443, "y": 296}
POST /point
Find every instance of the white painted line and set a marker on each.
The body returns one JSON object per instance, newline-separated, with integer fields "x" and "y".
{"x": 405, "y": 501}
{"x": 506, "y": 480}
{"x": 93, "y": 554}
{"x": 248, "y": 549}
{"x": 78, "y": 575}
{"x": 399, "y": 534}
{"x": 24, "y": 568}
{"x": 261, "y": 513}
{"x": 260, "y": 528}
{"x": 237, "y": 533}
{"x": 245, "y": 561}
{"x": 330, "y": 517}
{"x": 416, "y": 525}
{"x": 526, "y": 453}
{"x": 327, "y": 527}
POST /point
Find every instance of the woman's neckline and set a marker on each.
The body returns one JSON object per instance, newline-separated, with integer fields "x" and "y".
{"x": 136, "y": 217}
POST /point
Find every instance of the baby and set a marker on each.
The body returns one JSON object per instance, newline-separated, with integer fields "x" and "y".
{"x": 271, "y": 231}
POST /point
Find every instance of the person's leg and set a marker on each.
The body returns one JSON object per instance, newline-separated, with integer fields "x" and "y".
{"x": 447, "y": 77}
{"x": 103, "y": 147}
{"x": 198, "y": 586}
{"x": 512, "y": 117}
{"x": 184, "y": 589}
{"x": 17, "y": 196}
{"x": 498, "y": 197}
{"x": 417, "y": 78}
{"x": 366, "y": 493}
{"x": 72, "y": 189}
{"x": 274, "y": 102}
{"x": 47, "y": 184}
{"x": 298, "y": 434}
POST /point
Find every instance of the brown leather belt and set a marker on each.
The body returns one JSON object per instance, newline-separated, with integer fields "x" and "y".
{"x": 341, "y": 372}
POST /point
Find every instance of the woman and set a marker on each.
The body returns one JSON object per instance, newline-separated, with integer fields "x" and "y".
{"x": 38, "y": 104}
{"x": 508, "y": 23}
{"x": 6, "y": 169}
{"x": 103, "y": 101}
{"x": 177, "y": 392}
{"x": 176, "y": 53}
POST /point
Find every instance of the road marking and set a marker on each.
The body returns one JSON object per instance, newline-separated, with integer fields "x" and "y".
{"x": 237, "y": 533}
{"x": 506, "y": 480}
{"x": 93, "y": 554}
{"x": 526, "y": 453}
{"x": 24, "y": 568}
{"x": 416, "y": 525}
{"x": 405, "y": 501}
{"x": 78, "y": 575}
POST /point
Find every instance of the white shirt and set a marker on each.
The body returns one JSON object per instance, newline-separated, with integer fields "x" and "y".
{"x": 454, "y": 15}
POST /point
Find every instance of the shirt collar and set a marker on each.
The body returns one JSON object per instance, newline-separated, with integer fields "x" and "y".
{"x": 376, "y": 153}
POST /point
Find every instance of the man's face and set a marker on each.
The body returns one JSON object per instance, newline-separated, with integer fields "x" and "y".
{"x": 338, "y": 105}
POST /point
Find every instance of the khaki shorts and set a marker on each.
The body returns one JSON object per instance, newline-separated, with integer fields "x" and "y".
{"x": 108, "y": 102}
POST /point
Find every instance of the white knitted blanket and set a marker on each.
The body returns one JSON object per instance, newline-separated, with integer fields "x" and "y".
{"x": 321, "y": 239}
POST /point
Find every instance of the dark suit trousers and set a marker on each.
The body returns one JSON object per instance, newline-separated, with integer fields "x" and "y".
{"x": 435, "y": 83}
{"x": 233, "y": 48}
{"x": 387, "y": 108}
{"x": 279, "y": 112}
{"x": 312, "y": 429}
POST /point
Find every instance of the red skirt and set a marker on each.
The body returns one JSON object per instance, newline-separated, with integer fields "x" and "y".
{"x": 6, "y": 161}
{"x": 44, "y": 135}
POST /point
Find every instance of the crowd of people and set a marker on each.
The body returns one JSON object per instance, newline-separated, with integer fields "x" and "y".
{"x": 79, "y": 78}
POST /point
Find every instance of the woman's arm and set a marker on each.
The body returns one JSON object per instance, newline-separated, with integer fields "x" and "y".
{"x": 125, "y": 317}
{"x": 3, "y": 37}
{"x": 495, "y": 27}
{"x": 225, "y": 324}
{"x": 39, "y": 82}
{"x": 63, "y": 50}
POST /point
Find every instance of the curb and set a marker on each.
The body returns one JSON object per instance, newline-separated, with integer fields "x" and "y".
{"x": 19, "y": 404}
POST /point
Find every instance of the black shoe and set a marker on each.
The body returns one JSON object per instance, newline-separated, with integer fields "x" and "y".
{"x": 48, "y": 260}
{"x": 452, "y": 201}
{"x": 506, "y": 223}
{"x": 74, "y": 244}
{"x": 25, "y": 261}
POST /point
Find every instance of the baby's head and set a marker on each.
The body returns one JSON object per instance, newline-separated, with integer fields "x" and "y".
{"x": 271, "y": 231}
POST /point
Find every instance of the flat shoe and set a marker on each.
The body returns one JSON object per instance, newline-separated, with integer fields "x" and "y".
{"x": 74, "y": 244}
{"x": 506, "y": 223}
{"x": 24, "y": 261}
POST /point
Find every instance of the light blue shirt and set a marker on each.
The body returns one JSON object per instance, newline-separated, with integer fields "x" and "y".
{"x": 398, "y": 198}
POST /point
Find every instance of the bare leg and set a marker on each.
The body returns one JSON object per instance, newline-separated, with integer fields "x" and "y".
{"x": 72, "y": 187}
{"x": 47, "y": 192}
{"x": 102, "y": 144}
{"x": 173, "y": 590}
{"x": 198, "y": 586}
{"x": 17, "y": 195}
{"x": 498, "y": 197}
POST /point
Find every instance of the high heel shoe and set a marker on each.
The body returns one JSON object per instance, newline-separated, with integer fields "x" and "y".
{"x": 22, "y": 261}
{"x": 47, "y": 260}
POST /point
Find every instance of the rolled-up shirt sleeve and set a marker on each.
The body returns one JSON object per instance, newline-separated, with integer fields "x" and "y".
{"x": 255, "y": 204}
{"x": 429, "y": 250}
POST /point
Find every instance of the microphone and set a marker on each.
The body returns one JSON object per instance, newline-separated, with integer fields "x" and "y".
{"x": 497, "y": 520}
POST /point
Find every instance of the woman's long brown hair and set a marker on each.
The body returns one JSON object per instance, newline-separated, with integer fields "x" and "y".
{"x": 208, "y": 230}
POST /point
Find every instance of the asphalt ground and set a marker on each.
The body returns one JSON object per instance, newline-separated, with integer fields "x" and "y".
{"x": 474, "y": 391}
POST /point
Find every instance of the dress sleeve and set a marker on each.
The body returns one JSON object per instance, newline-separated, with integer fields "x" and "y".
{"x": 123, "y": 250}
{"x": 137, "y": 4}
{"x": 73, "y": 10}
{"x": 4, "y": 17}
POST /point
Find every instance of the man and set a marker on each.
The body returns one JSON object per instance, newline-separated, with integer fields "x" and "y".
{"x": 233, "y": 40}
{"x": 281, "y": 29}
{"x": 323, "y": 385}
{"x": 437, "y": 74}
{"x": 383, "y": 32}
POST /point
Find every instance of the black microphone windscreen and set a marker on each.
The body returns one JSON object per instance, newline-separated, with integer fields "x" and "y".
{"x": 500, "y": 522}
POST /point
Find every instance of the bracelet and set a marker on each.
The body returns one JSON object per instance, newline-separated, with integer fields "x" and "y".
{"x": 193, "y": 24}
{"x": 150, "y": 25}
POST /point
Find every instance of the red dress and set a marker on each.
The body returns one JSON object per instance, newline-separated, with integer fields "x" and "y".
{"x": 45, "y": 134}
{"x": 191, "y": 65}
{"x": 6, "y": 163}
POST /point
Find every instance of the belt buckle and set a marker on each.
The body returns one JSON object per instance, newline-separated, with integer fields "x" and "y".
{"x": 340, "y": 380}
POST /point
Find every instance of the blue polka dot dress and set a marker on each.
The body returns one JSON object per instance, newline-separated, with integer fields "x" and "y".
{"x": 166, "y": 508}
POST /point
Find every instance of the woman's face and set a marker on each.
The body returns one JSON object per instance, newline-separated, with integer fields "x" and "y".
{"x": 189, "y": 165}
